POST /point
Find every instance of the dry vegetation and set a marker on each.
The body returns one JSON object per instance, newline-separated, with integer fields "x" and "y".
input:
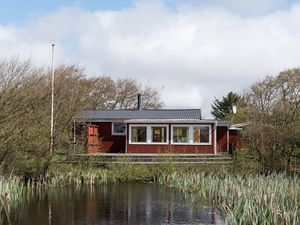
{"x": 25, "y": 92}
{"x": 273, "y": 109}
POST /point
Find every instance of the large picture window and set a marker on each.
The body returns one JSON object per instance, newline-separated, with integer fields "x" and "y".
{"x": 139, "y": 134}
{"x": 156, "y": 134}
{"x": 180, "y": 134}
{"x": 118, "y": 129}
{"x": 191, "y": 134}
{"x": 159, "y": 134}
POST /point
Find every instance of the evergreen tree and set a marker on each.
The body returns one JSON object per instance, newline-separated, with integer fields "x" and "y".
{"x": 221, "y": 108}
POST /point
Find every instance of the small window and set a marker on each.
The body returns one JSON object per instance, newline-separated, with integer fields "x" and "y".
{"x": 180, "y": 134}
{"x": 159, "y": 134}
{"x": 201, "y": 135}
{"x": 139, "y": 134}
{"x": 118, "y": 129}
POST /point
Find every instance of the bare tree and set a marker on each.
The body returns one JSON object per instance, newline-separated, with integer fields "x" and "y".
{"x": 274, "y": 111}
{"x": 25, "y": 95}
{"x": 25, "y": 92}
{"x": 107, "y": 93}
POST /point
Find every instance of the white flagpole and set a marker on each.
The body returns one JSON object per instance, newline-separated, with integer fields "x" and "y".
{"x": 52, "y": 103}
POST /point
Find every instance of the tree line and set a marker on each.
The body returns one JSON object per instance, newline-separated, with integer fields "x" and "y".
{"x": 25, "y": 96}
{"x": 271, "y": 108}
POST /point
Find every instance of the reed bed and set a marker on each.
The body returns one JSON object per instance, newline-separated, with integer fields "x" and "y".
{"x": 252, "y": 199}
{"x": 10, "y": 192}
{"x": 79, "y": 176}
{"x": 12, "y": 189}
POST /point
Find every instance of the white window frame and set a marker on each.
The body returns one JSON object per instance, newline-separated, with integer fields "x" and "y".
{"x": 149, "y": 134}
{"x": 191, "y": 136}
{"x": 117, "y": 134}
{"x": 209, "y": 134}
{"x": 167, "y": 135}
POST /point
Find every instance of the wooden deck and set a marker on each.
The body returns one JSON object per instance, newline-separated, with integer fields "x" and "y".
{"x": 148, "y": 159}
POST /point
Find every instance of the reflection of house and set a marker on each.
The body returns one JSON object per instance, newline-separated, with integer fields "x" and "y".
{"x": 155, "y": 131}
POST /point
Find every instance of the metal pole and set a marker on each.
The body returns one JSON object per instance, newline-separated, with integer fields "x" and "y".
{"x": 74, "y": 135}
{"x": 52, "y": 103}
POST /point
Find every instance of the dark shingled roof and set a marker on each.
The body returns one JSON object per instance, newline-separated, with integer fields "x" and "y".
{"x": 92, "y": 115}
{"x": 224, "y": 123}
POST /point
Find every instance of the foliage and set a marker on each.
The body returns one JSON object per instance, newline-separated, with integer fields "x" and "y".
{"x": 241, "y": 115}
{"x": 274, "y": 115}
{"x": 25, "y": 109}
{"x": 223, "y": 108}
{"x": 246, "y": 162}
{"x": 25, "y": 95}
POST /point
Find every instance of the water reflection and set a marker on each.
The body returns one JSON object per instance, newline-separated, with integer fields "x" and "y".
{"x": 118, "y": 203}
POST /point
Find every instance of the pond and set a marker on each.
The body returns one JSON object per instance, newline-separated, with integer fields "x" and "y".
{"x": 112, "y": 203}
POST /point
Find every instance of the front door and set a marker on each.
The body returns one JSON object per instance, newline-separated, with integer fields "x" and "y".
{"x": 93, "y": 141}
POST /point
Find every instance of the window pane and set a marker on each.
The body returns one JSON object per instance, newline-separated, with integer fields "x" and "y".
{"x": 119, "y": 128}
{"x": 204, "y": 134}
{"x": 196, "y": 135}
{"x": 159, "y": 134}
{"x": 138, "y": 134}
{"x": 181, "y": 134}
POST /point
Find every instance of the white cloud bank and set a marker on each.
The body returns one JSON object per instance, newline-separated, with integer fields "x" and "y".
{"x": 195, "y": 53}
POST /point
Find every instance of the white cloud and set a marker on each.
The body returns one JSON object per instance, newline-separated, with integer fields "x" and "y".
{"x": 240, "y": 7}
{"x": 196, "y": 53}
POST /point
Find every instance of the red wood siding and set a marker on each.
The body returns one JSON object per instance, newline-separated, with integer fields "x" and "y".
{"x": 109, "y": 143}
{"x": 234, "y": 139}
{"x": 135, "y": 148}
{"x": 100, "y": 139}
{"x": 222, "y": 139}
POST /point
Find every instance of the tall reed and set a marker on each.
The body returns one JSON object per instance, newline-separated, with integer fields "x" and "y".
{"x": 252, "y": 199}
{"x": 78, "y": 175}
{"x": 10, "y": 192}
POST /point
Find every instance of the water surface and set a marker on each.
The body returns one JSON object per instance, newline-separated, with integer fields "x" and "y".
{"x": 114, "y": 203}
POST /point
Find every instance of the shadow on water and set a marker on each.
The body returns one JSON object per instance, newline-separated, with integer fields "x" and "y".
{"x": 115, "y": 203}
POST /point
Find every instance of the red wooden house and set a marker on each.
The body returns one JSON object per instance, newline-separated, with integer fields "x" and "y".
{"x": 155, "y": 131}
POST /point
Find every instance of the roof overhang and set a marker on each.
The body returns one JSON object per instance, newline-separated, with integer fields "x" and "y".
{"x": 99, "y": 120}
{"x": 239, "y": 126}
{"x": 173, "y": 121}
{"x": 223, "y": 123}
{"x": 235, "y": 128}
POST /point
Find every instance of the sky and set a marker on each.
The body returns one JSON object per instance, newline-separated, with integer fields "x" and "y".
{"x": 192, "y": 50}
